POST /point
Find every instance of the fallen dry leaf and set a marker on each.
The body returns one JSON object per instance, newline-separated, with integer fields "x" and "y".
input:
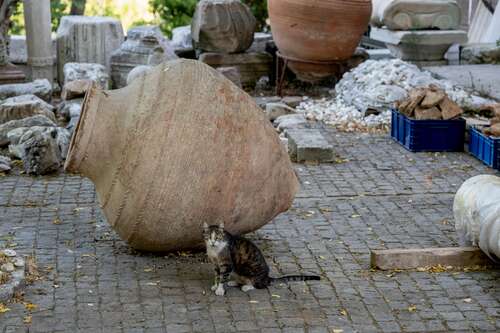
{"x": 30, "y": 306}
{"x": 3, "y": 308}
{"x": 57, "y": 221}
{"x": 412, "y": 308}
{"x": 343, "y": 312}
{"x": 27, "y": 320}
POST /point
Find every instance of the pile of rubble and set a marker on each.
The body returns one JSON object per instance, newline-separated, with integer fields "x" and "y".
{"x": 429, "y": 103}
{"x": 29, "y": 129}
{"x": 32, "y": 130}
{"x": 363, "y": 97}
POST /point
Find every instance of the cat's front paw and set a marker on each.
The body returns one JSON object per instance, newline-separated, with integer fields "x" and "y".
{"x": 220, "y": 290}
{"x": 214, "y": 287}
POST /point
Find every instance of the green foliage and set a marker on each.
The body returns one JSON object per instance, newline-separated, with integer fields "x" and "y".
{"x": 58, "y": 8}
{"x": 175, "y": 13}
{"x": 259, "y": 9}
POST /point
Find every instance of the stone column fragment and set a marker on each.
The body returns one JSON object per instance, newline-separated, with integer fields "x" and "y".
{"x": 38, "y": 37}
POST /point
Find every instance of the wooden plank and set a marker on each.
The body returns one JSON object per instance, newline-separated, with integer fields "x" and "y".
{"x": 415, "y": 258}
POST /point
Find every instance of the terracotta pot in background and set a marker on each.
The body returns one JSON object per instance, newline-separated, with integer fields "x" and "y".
{"x": 318, "y": 30}
{"x": 177, "y": 147}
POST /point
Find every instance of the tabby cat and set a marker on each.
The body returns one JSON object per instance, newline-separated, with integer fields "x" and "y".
{"x": 238, "y": 258}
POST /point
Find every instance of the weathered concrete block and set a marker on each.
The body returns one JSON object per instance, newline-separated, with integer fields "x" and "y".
{"x": 419, "y": 45}
{"x": 88, "y": 39}
{"x": 24, "y": 106}
{"x": 141, "y": 43}
{"x": 309, "y": 145}
{"x": 39, "y": 88}
{"x": 252, "y": 65}
{"x": 416, "y": 258}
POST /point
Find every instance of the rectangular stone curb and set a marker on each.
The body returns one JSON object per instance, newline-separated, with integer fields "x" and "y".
{"x": 414, "y": 258}
{"x": 309, "y": 145}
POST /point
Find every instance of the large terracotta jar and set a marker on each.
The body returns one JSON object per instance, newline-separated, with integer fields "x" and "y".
{"x": 318, "y": 30}
{"x": 178, "y": 147}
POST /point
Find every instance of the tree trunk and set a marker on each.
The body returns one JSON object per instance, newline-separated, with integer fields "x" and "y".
{"x": 77, "y": 7}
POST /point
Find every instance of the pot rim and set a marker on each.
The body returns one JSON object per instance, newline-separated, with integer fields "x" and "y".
{"x": 75, "y": 155}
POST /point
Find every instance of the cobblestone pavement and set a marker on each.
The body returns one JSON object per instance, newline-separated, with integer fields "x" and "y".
{"x": 377, "y": 195}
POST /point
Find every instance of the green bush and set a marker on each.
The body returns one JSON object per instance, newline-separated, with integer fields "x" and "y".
{"x": 175, "y": 13}
{"x": 58, "y": 8}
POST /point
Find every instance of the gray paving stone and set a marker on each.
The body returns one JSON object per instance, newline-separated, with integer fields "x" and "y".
{"x": 306, "y": 145}
{"x": 376, "y": 196}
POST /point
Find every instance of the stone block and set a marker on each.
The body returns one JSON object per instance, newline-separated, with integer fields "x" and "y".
{"x": 5, "y": 163}
{"x": 275, "y": 110}
{"x": 291, "y": 121}
{"x": 420, "y": 45}
{"x": 252, "y": 65}
{"x": 24, "y": 106}
{"x": 75, "y": 89}
{"x": 225, "y": 26}
{"x": 260, "y": 41}
{"x": 415, "y": 258}
{"x": 84, "y": 71}
{"x": 181, "y": 38}
{"x": 309, "y": 145}
{"x": 39, "y": 88}
{"x": 140, "y": 45}
{"x": 38, "y": 120}
{"x": 416, "y": 14}
{"x": 18, "y": 52}
{"x": 42, "y": 149}
{"x": 87, "y": 39}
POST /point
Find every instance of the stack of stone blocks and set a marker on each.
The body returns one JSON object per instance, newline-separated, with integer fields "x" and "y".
{"x": 418, "y": 31}
{"x": 223, "y": 33}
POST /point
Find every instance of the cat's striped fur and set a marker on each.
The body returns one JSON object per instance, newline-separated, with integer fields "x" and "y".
{"x": 238, "y": 261}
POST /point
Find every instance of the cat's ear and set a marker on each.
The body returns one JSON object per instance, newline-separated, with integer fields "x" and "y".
{"x": 221, "y": 225}
{"x": 205, "y": 226}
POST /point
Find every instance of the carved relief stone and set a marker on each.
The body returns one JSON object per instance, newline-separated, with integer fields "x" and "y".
{"x": 416, "y": 14}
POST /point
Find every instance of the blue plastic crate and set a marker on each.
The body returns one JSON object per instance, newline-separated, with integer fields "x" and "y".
{"x": 428, "y": 135}
{"x": 485, "y": 148}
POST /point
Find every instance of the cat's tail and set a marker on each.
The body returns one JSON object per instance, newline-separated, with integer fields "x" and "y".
{"x": 291, "y": 278}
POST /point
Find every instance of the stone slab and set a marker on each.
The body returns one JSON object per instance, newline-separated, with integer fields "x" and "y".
{"x": 309, "y": 145}
{"x": 252, "y": 65}
{"x": 421, "y": 45}
{"x": 415, "y": 258}
{"x": 379, "y": 54}
{"x": 485, "y": 79}
{"x": 427, "y": 37}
